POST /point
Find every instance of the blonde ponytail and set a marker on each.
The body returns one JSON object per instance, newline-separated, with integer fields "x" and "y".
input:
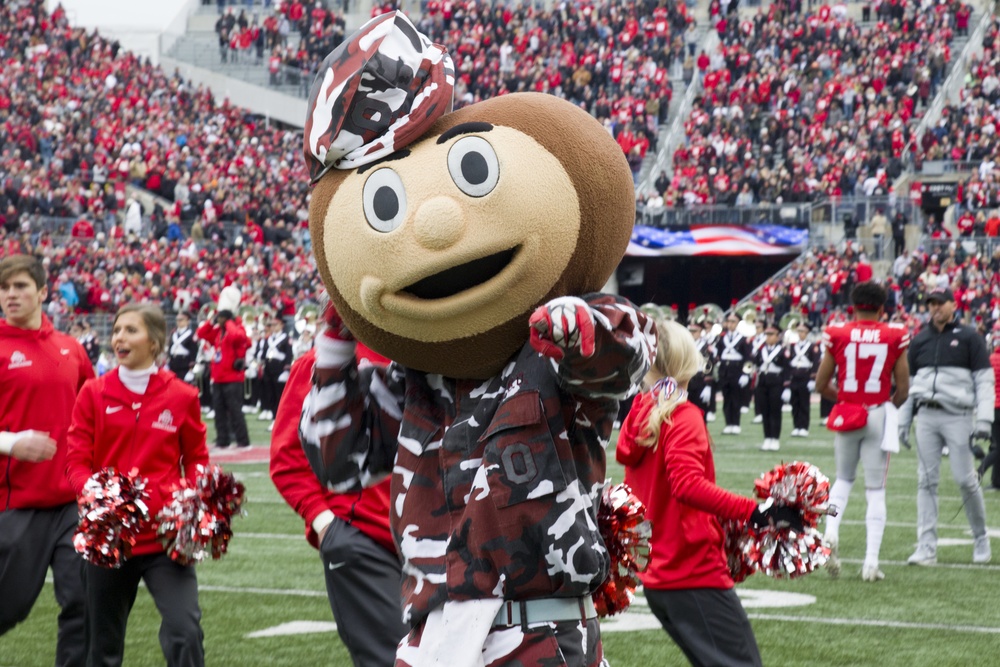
{"x": 677, "y": 361}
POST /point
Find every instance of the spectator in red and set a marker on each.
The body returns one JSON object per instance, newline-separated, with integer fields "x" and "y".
{"x": 83, "y": 230}
{"x": 228, "y": 367}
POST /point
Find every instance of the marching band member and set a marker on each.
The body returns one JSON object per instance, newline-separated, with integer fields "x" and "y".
{"x": 771, "y": 392}
{"x": 702, "y": 386}
{"x": 733, "y": 351}
{"x": 803, "y": 363}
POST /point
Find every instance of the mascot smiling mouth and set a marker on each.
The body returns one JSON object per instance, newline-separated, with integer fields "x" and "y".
{"x": 462, "y": 277}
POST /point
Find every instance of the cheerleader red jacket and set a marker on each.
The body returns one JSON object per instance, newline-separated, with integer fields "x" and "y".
{"x": 230, "y": 343}
{"x": 367, "y": 510}
{"x": 676, "y": 481}
{"x": 41, "y": 372}
{"x": 159, "y": 433}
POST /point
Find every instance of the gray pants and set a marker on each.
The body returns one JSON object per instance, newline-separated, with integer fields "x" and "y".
{"x": 363, "y": 584}
{"x": 708, "y": 624}
{"x": 174, "y": 589}
{"x": 30, "y": 541}
{"x": 864, "y": 445}
{"x": 937, "y": 429}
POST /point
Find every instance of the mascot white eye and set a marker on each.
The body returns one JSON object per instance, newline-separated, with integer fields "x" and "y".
{"x": 384, "y": 200}
{"x": 474, "y": 166}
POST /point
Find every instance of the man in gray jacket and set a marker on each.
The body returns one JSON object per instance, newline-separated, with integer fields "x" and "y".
{"x": 951, "y": 388}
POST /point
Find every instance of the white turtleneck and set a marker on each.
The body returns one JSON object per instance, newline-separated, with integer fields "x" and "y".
{"x": 136, "y": 381}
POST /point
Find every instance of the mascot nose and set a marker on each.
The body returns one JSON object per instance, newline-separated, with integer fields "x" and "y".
{"x": 438, "y": 223}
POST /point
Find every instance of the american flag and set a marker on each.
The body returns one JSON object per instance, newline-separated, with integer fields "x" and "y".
{"x": 718, "y": 240}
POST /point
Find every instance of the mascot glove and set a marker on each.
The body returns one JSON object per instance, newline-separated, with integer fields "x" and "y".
{"x": 335, "y": 327}
{"x": 744, "y": 380}
{"x": 332, "y": 352}
{"x": 706, "y": 395}
{"x": 335, "y": 345}
{"x": 786, "y": 395}
{"x": 563, "y": 324}
{"x": 779, "y": 516}
{"x": 811, "y": 386}
{"x": 189, "y": 377}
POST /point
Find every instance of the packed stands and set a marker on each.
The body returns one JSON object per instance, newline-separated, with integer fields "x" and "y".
{"x": 800, "y": 106}
{"x": 967, "y": 135}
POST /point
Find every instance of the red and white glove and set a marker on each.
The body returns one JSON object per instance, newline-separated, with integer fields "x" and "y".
{"x": 335, "y": 345}
{"x": 335, "y": 327}
{"x": 563, "y": 324}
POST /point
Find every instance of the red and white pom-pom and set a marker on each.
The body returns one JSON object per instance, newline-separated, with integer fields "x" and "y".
{"x": 779, "y": 551}
{"x": 621, "y": 518}
{"x": 736, "y": 546}
{"x": 112, "y": 510}
{"x": 198, "y": 519}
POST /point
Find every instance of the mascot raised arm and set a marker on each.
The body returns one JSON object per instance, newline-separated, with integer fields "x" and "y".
{"x": 468, "y": 247}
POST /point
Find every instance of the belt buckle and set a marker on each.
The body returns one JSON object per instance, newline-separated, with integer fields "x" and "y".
{"x": 507, "y": 619}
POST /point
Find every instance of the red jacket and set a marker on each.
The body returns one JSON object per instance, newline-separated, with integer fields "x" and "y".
{"x": 995, "y": 363}
{"x": 230, "y": 344}
{"x": 367, "y": 510}
{"x": 159, "y": 433}
{"x": 41, "y": 372}
{"x": 676, "y": 481}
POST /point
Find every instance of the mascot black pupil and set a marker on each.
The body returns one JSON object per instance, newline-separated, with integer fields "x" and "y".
{"x": 474, "y": 168}
{"x": 386, "y": 203}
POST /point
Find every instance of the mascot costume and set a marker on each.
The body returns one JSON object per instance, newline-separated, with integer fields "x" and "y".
{"x": 468, "y": 247}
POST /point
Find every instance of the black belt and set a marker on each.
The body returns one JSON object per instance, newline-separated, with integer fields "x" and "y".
{"x": 931, "y": 404}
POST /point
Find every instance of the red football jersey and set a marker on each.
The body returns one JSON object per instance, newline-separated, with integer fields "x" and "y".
{"x": 865, "y": 353}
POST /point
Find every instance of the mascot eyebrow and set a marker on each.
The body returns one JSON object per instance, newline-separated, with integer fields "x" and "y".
{"x": 395, "y": 155}
{"x": 465, "y": 128}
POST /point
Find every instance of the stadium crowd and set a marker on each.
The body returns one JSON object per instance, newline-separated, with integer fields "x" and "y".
{"x": 294, "y": 36}
{"x": 797, "y": 106}
{"x": 72, "y": 141}
{"x": 82, "y": 119}
{"x": 816, "y": 287}
{"x": 967, "y": 132}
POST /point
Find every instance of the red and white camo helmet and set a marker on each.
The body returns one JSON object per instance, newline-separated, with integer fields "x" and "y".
{"x": 374, "y": 94}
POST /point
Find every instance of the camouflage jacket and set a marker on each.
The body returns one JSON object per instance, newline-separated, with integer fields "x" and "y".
{"x": 496, "y": 482}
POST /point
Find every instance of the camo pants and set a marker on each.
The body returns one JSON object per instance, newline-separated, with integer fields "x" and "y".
{"x": 550, "y": 644}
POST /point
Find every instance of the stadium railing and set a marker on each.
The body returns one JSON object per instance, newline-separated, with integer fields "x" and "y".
{"x": 789, "y": 215}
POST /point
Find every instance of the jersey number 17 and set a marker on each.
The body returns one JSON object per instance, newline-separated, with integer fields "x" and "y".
{"x": 878, "y": 352}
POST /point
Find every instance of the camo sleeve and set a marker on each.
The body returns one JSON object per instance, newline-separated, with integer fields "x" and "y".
{"x": 625, "y": 344}
{"x": 350, "y": 424}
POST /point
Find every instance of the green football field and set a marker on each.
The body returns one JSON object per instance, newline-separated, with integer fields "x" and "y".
{"x": 265, "y": 602}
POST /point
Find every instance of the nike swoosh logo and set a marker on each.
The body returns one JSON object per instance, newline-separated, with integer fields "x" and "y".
{"x": 136, "y": 406}
{"x": 112, "y": 410}
{"x": 63, "y": 352}
{"x": 334, "y": 566}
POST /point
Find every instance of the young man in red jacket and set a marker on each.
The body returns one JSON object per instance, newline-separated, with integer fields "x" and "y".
{"x": 228, "y": 368}
{"x": 351, "y": 531}
{"x": 41, "y": 371}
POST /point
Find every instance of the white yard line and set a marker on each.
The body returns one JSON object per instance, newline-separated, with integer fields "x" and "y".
{"x": 263, "y": 591}
{"x": 871, "y": 623}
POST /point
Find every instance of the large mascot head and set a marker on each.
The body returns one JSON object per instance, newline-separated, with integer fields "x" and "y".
{"x": 436, "y": 233}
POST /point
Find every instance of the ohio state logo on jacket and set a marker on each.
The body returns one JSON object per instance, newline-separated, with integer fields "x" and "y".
{"x": 165, "y": 422}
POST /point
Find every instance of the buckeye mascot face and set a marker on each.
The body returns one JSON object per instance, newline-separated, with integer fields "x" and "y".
{"x": 437, "y": 233}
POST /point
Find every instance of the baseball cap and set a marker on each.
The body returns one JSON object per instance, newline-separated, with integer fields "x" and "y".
{"x": 940, "y": 294}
